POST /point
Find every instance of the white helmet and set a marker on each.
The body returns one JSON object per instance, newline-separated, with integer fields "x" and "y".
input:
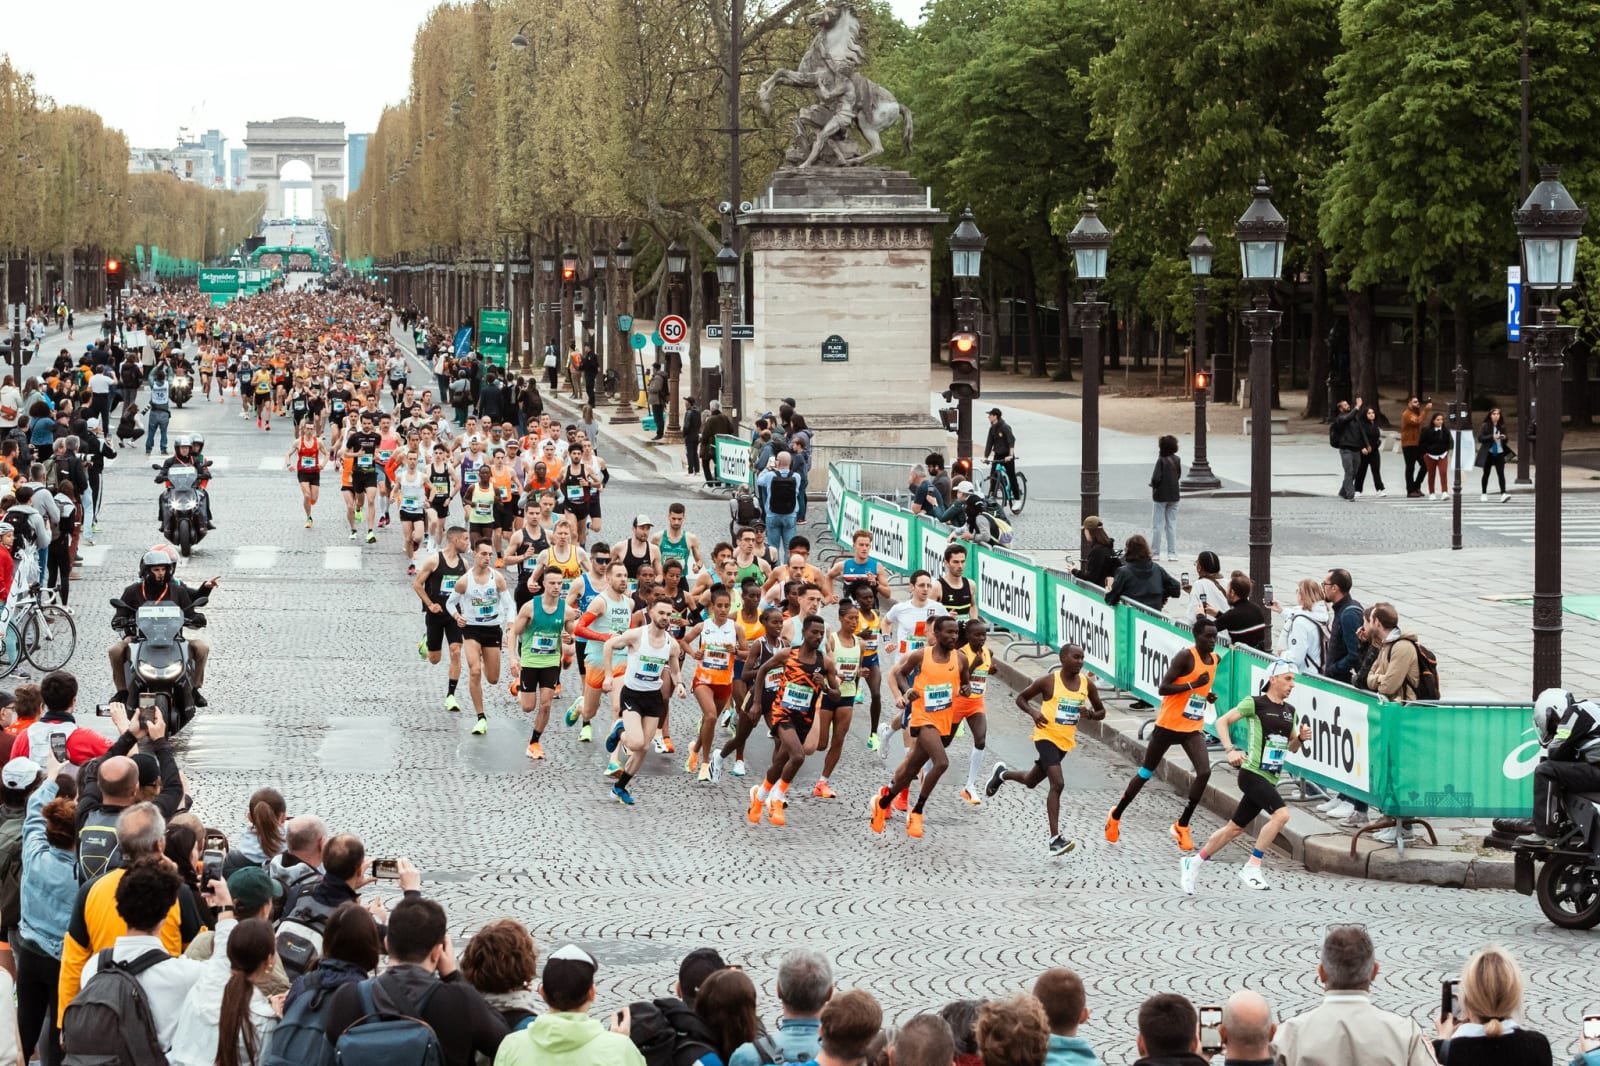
{"x": 1548, "y": 709}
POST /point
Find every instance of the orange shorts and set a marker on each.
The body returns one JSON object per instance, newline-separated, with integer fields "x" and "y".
{"x": 964, "y": 707}
{"x": 721, "y": 691}
{"x": 940, "y": 720}
{"x": 595, "y": 678}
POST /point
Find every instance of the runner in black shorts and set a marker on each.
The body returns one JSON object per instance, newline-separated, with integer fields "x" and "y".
{"x": 435, "y": 581}
{"x": 541, "y": 638}
{"x": 362, "y": 447}
{"x": 653, "y": 668}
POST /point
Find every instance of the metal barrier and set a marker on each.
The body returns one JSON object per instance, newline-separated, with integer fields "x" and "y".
{"x": 878, "y": 473}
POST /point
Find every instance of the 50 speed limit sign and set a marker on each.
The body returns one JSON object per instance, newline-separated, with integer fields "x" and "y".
{"x": 673, "y": 329}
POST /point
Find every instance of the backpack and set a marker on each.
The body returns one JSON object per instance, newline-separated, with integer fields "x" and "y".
{"x": 770, "y": 1053}
{"x": 300, "y": 935}
{"x": 11, "y": 866}
{"x": 98, "y": 850}
{"x": 109, "y": 1022}
{"x": 667, "y": 1033}
{"x": 1324, "y": 638}
{"x": 391, "y": 1035}
{"x": 1334, "y": 431}
{"x": 301, "y": 1038}
{"x": 460, "y": 390}
{"x": 1427, "y": 687}
{"x": 18, "y": 517}
{"x": 745, "y": 508}
{"x": 783, "y": 494}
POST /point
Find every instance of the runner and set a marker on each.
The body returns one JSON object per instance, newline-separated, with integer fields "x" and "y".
{"x": 388, "y": 456}
{"x": 1185, "y": 693}
{"x": 1269, "y": 735}
{"x": 307, "y": 458}
{"x": 607, "y": 615}
{"x": 942, "y": 673}
{"x": 905, "y": 630}
{"x": 805, "y": 673}
{"x": 409, "y": 493}
{"x": 955, "y": 588}
{"x": 747, "y": 555}
{"x": 1065, "y": 695}
{"x": 504, "y": 487}
{"x": 846, "y": 572}
{"x": 442, "y": 487}
{"x": 480, "y": 504}
{"x": 637, "y": 550}
{"x": 674, "y": 543}
{"x": 833, "y": 721}
{"x": 361, "y": 493}
{"x": 721, "y": 644}
{"x": 542, "y": 635}
{"x": 434, "y": 584}
{"x": 478, "y": 606}
{"x": 651, "y": 671}
{"x": 530, "y": 540}
{"x": 863, "y": 590}
{"x": 753, "y": 705}
{"x": 339, "y": 400}
{"x": 970, "y": 709}
{"x": 261, "y": 389}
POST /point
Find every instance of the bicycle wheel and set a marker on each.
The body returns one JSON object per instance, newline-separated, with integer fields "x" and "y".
{"x": 1019, "y": 494}
{"x": 11, "y": 650}
{"x": 49, "y": 637}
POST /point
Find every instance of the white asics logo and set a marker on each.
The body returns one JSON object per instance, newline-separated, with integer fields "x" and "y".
{"x": 1523, "y": 758}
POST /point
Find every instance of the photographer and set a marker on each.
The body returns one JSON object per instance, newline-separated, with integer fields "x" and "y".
{"x": 1487, "y": 1032}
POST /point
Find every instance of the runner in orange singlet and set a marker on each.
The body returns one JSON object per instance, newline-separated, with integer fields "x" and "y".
{"x": 943, "y": 673}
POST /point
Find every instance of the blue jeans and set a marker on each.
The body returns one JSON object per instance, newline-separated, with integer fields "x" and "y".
{"x": 1165, "y": 517}
{"x": 780, "y": 531}
{"x": 800, "y": 499}
{"x": 158, "y": 420}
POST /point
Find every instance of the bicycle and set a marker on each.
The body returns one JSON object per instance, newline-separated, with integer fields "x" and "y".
{"x": 1000, "y": 490}
{"x": 38, "y": 630}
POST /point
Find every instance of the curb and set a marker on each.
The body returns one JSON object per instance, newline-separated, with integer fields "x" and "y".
{"x": 1306, "y": 838}
{"x": 656, "y": 458}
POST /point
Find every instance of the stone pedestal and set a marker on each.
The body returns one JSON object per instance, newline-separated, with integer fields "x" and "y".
{"x": 843, "y": 255}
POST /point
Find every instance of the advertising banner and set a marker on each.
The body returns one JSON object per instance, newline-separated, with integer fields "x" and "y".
{"x": 891, "y": 530}
{"x": 1154, "y": 644}
{"x": 1010, "y": 593}
{"x": 733, "y": 461}
{"x": 1081, "y": 617}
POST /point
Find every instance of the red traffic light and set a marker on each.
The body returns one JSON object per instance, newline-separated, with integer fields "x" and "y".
{"x": 964, "y": 343}
{"x": 112, "y": 266}
{"x": 1201, "y": 379}
{"x": 568, "y": 273}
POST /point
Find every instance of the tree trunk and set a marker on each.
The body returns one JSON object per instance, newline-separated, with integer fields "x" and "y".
{"x": 1363, "y": 351}
{"x": 1317, "y": 369}
{"x": 697, "y": 318}
{"x": 1030, "y": 289}
{"x": 1063, "y": 314}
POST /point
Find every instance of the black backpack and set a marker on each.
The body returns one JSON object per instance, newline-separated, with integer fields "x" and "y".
{"x": 109, "y": 1023}
{"x": 19, "y": 518}
{"x": 668, "y": 1033}
{"x": 1427, "y": 673}
{"x": 98, "y": 849}
{"x": 300, "y": 934}
{"x": 783, "y": 494}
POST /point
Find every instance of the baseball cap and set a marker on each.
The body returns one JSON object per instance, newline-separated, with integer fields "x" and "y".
{"x": 20, "y": 773}
{"x": 252, "y": 888}
{"x": 149, "y": 769}
{"x": 642, "y": 520}
{"x": 569, "y": 973}
{"x": 94, "y": 423}
{"x": 1093, "y": 522}
{"x": 963, "y": 486}
{"x": 994, "y": 410}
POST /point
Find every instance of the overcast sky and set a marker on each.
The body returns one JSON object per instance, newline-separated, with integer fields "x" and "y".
{"x": 152, "y": 66}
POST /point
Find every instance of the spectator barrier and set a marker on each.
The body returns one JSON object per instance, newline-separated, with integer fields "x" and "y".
{"x": 1405, "y": 759}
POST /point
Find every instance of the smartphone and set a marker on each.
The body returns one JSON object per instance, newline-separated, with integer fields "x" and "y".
{"x": 102, "y": 710}
{"x": 211, "y": 866}
{"x": 1202, "y": 599}
{"x": 386, "y": 869}
{"x": 215, "y": 841}
{"x": 1184, "y": 580}
{"x": 147, "y": 708}
{"x": 1266, "y": 594}
{"x": 1450, "y": 998}
{"x": 1210, "y": 1030}
{"x": 58, "y": 747}
{"x": 1591, "y": 1027}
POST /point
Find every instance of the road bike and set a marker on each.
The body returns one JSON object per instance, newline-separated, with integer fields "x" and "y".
{"x": 1001, "y": 491}
{"x": 38, "y": 630}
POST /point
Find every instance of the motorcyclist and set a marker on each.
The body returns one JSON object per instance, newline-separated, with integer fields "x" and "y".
{"x": 156, "y": 585}
{"x": 1569, "y": 729}
{"x": 185, "y": 453}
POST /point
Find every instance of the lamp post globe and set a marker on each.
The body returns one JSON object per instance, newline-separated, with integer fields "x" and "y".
{"x": 1090, "y": 242}
{"x": 966, "y": 248}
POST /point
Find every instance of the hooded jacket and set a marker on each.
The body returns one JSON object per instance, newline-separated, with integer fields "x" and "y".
{"x": 567, "y": 1039}
{"x": 1143, "y": 582}
{"x": 1395, "y": 671}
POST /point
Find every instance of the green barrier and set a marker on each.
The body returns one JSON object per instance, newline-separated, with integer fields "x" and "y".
{"x": 1011, "y": 592}
{"x": 733, "y": 461}
{"x": 893, "y": 533}
{"x": 1459, "y": 761}
{"x": 1079, "y": 614}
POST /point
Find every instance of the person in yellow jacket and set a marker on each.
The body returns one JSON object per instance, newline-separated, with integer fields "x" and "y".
{"x": 567, "y": 1036}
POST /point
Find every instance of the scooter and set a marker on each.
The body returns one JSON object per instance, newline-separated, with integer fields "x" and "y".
{"x": 182, "y": 513}
{"x": 1567, "y": 885}
{"x": 182, "y": 389}
{"x": 160, "y": 664}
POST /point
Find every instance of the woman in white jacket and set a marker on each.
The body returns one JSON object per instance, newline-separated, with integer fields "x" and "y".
{"x": 226, "y": 1021}
{"x": 1305, "y": 628}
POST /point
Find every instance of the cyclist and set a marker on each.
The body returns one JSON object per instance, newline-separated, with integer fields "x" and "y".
{"x": 1000, "y": 447}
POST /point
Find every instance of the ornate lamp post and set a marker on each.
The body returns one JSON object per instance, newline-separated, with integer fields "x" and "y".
{"x": 544, "y": 295}
{"x": 677, "y": 267}
{"x": 1200, "y": 477}
{"x": 1548, "y": 225}
{"x": 569, "y": 277}
{"x": 966, "y": 260}
{"x": 1090, "y": 242}
{"x": 1261, "y": 232}
{"x": 622, "y": 258}
{"x": 727, "y": 299}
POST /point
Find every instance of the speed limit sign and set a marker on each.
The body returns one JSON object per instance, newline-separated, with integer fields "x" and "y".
{"x": 673, "y": 329}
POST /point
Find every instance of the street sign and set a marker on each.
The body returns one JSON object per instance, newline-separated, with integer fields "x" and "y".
{"x": 463, "y": 342}
{"x": 625, "y": 322}
{"x": 638, "y": 341}
{"x": 673, "y": 329}
{"x": 494, "y": 333}
{"x": 655, "y": 339}
{"x": 835, "y": 350}
{"x": 742, "y": 331}
{"x": 1513, "y": 303}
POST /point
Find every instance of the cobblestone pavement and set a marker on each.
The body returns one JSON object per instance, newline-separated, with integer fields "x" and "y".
{"x": 317, "y": 688}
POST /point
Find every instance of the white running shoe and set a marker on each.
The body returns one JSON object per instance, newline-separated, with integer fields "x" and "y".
{"x": 1383, "y": 492}
{"x": 738, "y": 768}
{"x": 1505, "y": 497}
{"x": 1342, "y": 809}
{"x": 1390, "y": 835}
{"x": 1252, "y": 877}
{"x": 716, "y": 766}
{"x": 1188, "y": 870}
{"x": 1483, "y": 498}
{"x": 1329, "y": 804}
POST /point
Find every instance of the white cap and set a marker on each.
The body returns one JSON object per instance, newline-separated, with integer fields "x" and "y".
{"x": 20, "y": 773}
{"x": 963, "y": 486}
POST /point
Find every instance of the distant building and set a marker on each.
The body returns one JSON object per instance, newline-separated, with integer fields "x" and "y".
{"x": 150, "y": 161}
{"x": 358, "y": 158}
{"x": 237, "y": 162}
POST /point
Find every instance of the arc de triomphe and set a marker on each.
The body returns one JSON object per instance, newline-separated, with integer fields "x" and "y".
{"x": 272, "y": 145}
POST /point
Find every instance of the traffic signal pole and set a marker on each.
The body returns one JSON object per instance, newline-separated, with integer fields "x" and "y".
{"x": 965, "y": 381}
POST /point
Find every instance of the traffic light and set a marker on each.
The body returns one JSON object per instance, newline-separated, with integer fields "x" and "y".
{"x": 1201, "y": 380}
{"x": 114, "y": 273}
{"x": 964, "y": 376}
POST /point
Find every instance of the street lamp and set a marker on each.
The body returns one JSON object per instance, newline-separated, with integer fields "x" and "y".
{"x": 1090, "y": 242}
{"x": 677, "y": 267}
{"x": 727, "y": 301}
{"x": 622, "y": 259}
{"x": 547, "y": 274}
{"x": 966, "y": 260}
{"x": 569, "y": 274}
{"x": 1261, "y": 232}
{"x": 1549, "y": 224}
{"x": 1201, "y": 252}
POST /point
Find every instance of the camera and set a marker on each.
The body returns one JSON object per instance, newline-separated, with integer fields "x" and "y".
{"x": 725, "y": 208}
{"x": 386, "y": 869}
{"x": 745, "y": 207}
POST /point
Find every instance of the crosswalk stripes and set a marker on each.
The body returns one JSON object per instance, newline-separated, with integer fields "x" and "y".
{"x": 255, "y": 557}
{"x": 270, "y": 462}
{"x": 341, "y": 557}
{"x": 618, "y": 474}
{"x": 1580, "y": 520}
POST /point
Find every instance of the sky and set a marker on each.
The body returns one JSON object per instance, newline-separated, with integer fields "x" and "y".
{"x": 214, "y": 64}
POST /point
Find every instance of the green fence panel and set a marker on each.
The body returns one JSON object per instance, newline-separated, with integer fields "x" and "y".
{"x": 894, "y": 535}
{"x": 836, "y": 503}
{"x": 1460, "y": 761}
{"x": 1012, "y": 592}
{"x": 1079, "y": 614}
{"x": 733, "y": 461}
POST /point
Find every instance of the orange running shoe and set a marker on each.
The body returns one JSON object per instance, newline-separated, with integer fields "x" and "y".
{"x": 756, "y": 807}
{"x": 535, "y": 750}
{"x": 514, "y": 687}
{"x": 775, "y": 811}
{"x": 1113, "y": 828}
{"x": 666, "y": 745}
{"x": 880, "y": 813}
{"x": 914, "y": 825}
{"x": 1180, "y": 833}
{"x": 822, "y": 791}
{"x": 902, "y": 802}
{"x": 967, "y": 795}
{"x": 693, "y": 762}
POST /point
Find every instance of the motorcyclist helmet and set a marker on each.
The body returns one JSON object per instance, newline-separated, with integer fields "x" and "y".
{"x": 183, "y": 440}
{"x": 1548, "y": 709}
{"x": 197, "y": 440}
{"x": 152, "y": 559}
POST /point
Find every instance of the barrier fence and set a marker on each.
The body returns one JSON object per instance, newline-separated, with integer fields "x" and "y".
{"x": 1405, "y": 759}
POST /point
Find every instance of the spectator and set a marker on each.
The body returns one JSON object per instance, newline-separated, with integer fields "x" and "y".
{"x": 346, "y": 873}
{"x": 925, "y": 498}
{"x": 714, "y": 425}
{"x": 1491, "y": 997}
{"x": 49, "y": 883}
{"x": 115, "y": 782}
{"x": 1247, "y": 1030}
{"x": 1141, "y": 579}
{"x": 1371, "y": 451}
{"x": 1306, "y": 627}
{"x": 1347, "y": 436}
{"x": 1347, "y": 1028}
{"x": 692, "y": 422}
{"x": 962, "y": 1017}
{"x": 1244, "y": 621}
{"x": 657, "y": 390}
{"x": 693, "y": 971}
{"x": 1097, "y": 557}
{"x": 726, "y": 1003}
{"x": 849, "y": 1024}
{"x": 227, "y": 1019}
{"x": 1396, "y": 670}
{"x": 1435, "y": 442}
{"x": 1494, "y": 448}
{"x": 805, "y": 981}
{"x": 304, "y": 838}
{"x": 263, "y": 836}
{"x": 591, "y": 370}
{"x": 1344, "y": 641}
{"x": 501, "y": 961}
{"x": 351, "y": 948}
{"x": 566, "y": 1035}
{"x": 1060, "y": 992}
{"x": 1164, "y": 494}
{"x": 1013, "y": 1032}
{"x": 1207, "y": 580}
{"x": 780, "y": 499}
{"x": 1169, "y": 1032}
{"x": 925, "y": 1040}
{"x": 59, "y": 690}
{"x": 422, "y": 972}
{"x": 939, "y": 476}
{"x": 800, "y": 463}
{"x": 254, "y": 894}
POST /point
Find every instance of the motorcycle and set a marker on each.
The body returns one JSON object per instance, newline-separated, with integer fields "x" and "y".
{"x": 182, "y": 389}
{"x": 183, "y": 520}
{"x": 1568, "y": 884}
{"x": 160, "y": 664}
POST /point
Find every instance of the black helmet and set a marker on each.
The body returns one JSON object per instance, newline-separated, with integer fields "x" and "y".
{"x": 152, "y": 559}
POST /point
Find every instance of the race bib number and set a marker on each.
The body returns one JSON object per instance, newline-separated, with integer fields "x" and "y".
{"x": 484, "y": 609}
{"x": 848, "y": 669}
{"x": 483, "y": 508}
{"x": 469, "y": 477}
{"x": 411, "y": 499}
{"x": 980, "y": 681}
{"x": 650, "y": 666}
{"x": 716, "y": 658}
{"x": 308, "y": 462}
{"x": 383, "y": 455}
{"x": 448, "y": 584}
{"x": 936, "y": 698}
{"x": 1273, "y": 750}
{"x": 1195, "y": 709}
{"x": 575, "y": 493}
{"x": 1067, "y": 711}
{"x": 869, "y": 645}
{"x": 796, "y": 697}
{"x": 338, "y": 407}
{"x": 542, "y": 643}
{"x": 364, "y": 462}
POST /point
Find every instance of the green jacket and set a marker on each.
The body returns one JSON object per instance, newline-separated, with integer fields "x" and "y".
{"x": 567, "y": 1040}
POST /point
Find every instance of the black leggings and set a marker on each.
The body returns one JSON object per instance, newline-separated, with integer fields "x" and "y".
{"x": 60, "y": 575}
{"x": 1193, "y": 745}
{"x": 37, "y": 976}
{"x": 1497, "y": 463}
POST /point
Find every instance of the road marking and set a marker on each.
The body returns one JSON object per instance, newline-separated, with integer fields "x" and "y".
{"x": 219, "y": 462}
{"x": 255, "y": 557}
{"x": 618, "y": 474}
{"x": 269, "y": 463}
{"x": 94, "y": 554}
{"x": 341, "y": 557}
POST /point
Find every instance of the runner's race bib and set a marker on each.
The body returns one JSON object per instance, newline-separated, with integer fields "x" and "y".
{"x": 484, "y": 609}
{"x": 308, "y": 462}
{"x": 364, "y": 462}
{"x": 716, "y": 658}
{"x": 796, "y": 696}
{"x": 936, "y": 698}
{"x": 1273, "y": 750}
{"x": 575, "y": 493}
{"x": 543, "y": 643}
{"x": 448, "y": 584}
{"x": 1195, "y": 709}
{"x": 1067, "y": 711}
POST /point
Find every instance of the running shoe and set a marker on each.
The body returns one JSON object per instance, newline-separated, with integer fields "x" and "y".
{"x": 1252, "y": 877}
{"x": 880, "y": 814}
{"x": 967, "y": 795}
{"x": 1060, "y": 845}
{"x": 1188, "y": 872}
{"x": 372, "y": 538}
{"x": 422, "y": 649}
{"x": 1180, "y": 833}
{"x": 885, "y": 730}
{"x": 775, "y": 811}
{"x": 451, "y": 703}
{"x": 716, "y": 766}
{"x": 1113, "y": 828}
{"x": 623, "y": 796}
{"x": 753, "y": 815}
{"x": 738, "y": 768}
{"x": 383, "y": 521}
{"x": 872, "y": 742}
{"x": 572, "y": 713}
{"x": 725, "y": 719}
{"x": 822, "y": 791}
{"x": 660, "y": 744}
{"x": 997, "y": 777}
{"x": 354, "y": 534}
{"x": 586, "y": 734}
{"x": 914, "y": 825}
{"x": 704, "y": 775}
{"x": 308, "y": 522}
{"x": 902, "y": 801}
{"x": 535, "y": 750}
{"x": 480, "y": 727}
{"x": 614, "y": 737}
{"x": 358, "y": 514}
{"x": 613, "y": 768}
{"x": 692, "y": 763}
{"x": 666, "y": 744}
{"x": 961, "y": 730}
